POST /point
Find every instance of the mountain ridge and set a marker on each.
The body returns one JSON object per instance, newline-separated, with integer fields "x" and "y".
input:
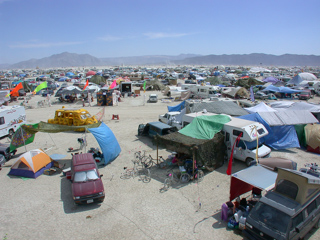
{"x": 67, "y": 59}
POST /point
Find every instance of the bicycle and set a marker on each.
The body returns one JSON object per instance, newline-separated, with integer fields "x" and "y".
{"x": 143, "y": 173}
{"x": 139, "y": 158}
{"x": 312, "y": 169}
{"x": 172, "y": 179}
{"x": 150, "y": 161}
{"x": 129, "y": 172}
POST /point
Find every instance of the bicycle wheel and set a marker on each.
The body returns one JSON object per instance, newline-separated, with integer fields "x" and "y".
{"x": 185, "y": 177}
{"x": 199, "y": 176}
{"x": 125, "y": 175}
{"x": 147, "y": 161}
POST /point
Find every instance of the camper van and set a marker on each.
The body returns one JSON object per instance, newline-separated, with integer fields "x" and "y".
{"x": 11, "y": 118}
{"x": 245, "y": 149}
{"x": 289, "y": 211}
{"x": 201, "y": 91}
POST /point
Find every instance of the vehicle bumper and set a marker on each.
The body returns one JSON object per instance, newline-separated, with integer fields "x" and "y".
{"x": 88, "y": 200}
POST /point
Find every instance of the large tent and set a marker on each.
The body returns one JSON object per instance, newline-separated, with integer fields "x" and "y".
{"x": 312, "y": 133}
{"x": 31, "y": 164}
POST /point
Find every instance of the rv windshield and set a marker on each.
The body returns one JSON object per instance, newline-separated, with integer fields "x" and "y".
{"x": 253, "y": 145}
{"x": 270, "y": 218}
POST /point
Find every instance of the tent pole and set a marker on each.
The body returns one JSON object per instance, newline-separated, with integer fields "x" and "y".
{"x": 157, "y": 153}
{"x": 85, "y": 139}
{"x": 24, "y": 143}
{"x": 52, "y": 140}
{"x": 194, "y": 159}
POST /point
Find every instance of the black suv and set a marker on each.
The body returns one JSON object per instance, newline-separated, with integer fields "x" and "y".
{"x": 5, "y": 152}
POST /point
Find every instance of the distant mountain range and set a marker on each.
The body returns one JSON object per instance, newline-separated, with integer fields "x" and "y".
{"x": 66, "y": 59}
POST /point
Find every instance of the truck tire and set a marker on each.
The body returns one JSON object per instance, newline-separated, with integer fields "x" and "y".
{"x": 248, "y": 161}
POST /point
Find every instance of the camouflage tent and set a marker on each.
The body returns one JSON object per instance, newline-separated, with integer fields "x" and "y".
{"x": 209, "y": 153}
{"x": 248, "y": 82}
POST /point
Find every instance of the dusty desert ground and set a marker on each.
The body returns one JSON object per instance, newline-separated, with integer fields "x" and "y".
{"x": 43, "y": 208}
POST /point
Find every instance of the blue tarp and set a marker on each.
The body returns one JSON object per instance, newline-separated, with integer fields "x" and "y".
{"x": 272, "y": 88}
{"x": 177, "y": 108}
{"x": 107, "y": 141}
{"x": 279, "y": 137}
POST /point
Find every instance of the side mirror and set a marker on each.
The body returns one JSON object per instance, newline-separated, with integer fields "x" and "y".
{"x": 297, "y": 230}
{"x": 101, "y": 175}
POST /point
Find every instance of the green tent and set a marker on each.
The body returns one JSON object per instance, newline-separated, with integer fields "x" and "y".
{"x": 205, "y": 127}
{"x": 97, "y": 79}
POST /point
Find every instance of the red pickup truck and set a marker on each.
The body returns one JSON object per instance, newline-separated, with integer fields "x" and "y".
{"x": 87, "y": 186}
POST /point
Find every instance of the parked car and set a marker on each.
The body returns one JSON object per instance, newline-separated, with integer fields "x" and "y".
{"x": 153, "y": 98}
{"x": 260, "y": 95}
{"x": 22, "y": 92}
{"x": 87, "y": 186}
{"x": 152, "y": 129}
{"x": 168, "y": 117}
{"x": 5, "y": 151}
{"x": 305, "y": 95}
{"x": 44, "y": 93}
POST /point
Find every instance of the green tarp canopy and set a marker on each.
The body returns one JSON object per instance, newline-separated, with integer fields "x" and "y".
{"x": 26, "y": 133}
{"x": 205, "y": 127}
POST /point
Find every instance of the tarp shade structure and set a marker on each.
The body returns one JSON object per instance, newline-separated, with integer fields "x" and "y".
{"x": 287, "y": 105}
{"x": 218, "y": 107}
{"x": 281, "y": 118}
{"x": 107, "y": 142}
{"x": 279, "y": 137}
{"x": 55, "y": 128}
{"x": 296, "y": 80}
{"x": 261, "y": 107}
{"x": 177, "y": 108}
{"x": 31, "y": 164}
{"x": 22, "y": 137}
{"x": 271, "y": 79}
{"x": 272, "y": 88}
{"x": 312, "y": 133}
{"x": 205, "y": 127}
{"x": 254, "y": 176}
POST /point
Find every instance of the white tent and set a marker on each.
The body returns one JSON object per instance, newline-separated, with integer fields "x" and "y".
{"x": 261, "y": 107}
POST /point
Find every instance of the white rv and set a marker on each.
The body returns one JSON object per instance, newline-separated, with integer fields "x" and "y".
{"x": 10, "y": 119}
{"x": 201, "y": 91}
{"x": 246, "y": 149}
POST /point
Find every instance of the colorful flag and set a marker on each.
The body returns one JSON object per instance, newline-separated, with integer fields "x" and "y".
{"x": 40, "y": 86}
{"x": 22, "y": 137}
{"x": 87, "y": 84}
{"x": 144, "y": 85}
{"x": 231, "y": 155}
{"x": 114, "y": 83}
{"x": 16, "y": 89}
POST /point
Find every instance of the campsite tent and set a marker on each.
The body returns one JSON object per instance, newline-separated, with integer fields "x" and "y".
{"x": 107, "y": 142}
{"x": 254, "y": 176}
{"x": 177, "y": 108}
{"x": 31, "y": 164}
{"x": 312, "y": 133}
{"x": 279, "y": 137}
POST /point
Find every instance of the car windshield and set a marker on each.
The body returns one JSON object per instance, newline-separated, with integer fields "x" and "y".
{"x": 270, "y": 218}
{"x": 86, "y": 176}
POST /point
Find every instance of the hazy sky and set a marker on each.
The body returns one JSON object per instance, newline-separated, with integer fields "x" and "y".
{"x": 119, "y": 28}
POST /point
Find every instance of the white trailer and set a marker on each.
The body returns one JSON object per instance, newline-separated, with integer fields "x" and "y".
{"x": 11, "y": 117}
{"x": 201, "y": 91}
